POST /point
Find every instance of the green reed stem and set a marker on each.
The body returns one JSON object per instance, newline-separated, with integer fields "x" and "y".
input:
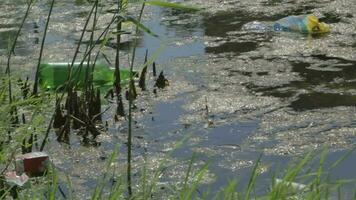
{"x": 117, "y": 58}
{"x": 117, "y": 82}
{"x": 129, "y": 135}
{"x": 35, "y": 85}
{"x": 89, "y": 71}
{"x": 80, "y": 42}
{"x": 12, "y": 50}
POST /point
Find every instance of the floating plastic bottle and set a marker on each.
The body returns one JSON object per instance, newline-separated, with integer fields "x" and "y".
{"x": 55, "y": 75}
{"x": 255, "y": 26}
{"x": 308, "y": 24}
{"x": 301, "y": 23}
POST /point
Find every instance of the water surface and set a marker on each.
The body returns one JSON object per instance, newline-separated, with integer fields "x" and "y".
{"x": 276, "y": 94}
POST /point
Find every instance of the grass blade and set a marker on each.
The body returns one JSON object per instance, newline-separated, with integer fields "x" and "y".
{"x": 177, "y": 6}
{"x": 35, "y": 85}
{"x": 141, "y": 26}
{"x": 252, "y": 180}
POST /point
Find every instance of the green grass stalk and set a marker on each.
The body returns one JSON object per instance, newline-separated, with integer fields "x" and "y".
{"x": 52, "y": 183}
{"x": 88, "y": 74}
{"x": 35, "y": 85}
{"x": 252, "y": 180}
{"x": 129, "y": 135}
{"x": 12, "y": 50}
{"x": 98, "y": 192}
{"x": 117, "y": 83}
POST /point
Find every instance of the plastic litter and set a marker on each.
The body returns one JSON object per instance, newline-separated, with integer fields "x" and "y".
{"x": 301, "y": 23}
{"x": 55, "y": 75}
{"x": 255, "y": 26}
{"x": 12, "y": 179}
{"x": 33, "y": 164}
{"x": 293, "y": 185}
{"x": 308, "y": 24}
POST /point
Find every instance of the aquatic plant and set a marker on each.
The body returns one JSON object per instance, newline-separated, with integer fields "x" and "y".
{"x": 79, "y": 111}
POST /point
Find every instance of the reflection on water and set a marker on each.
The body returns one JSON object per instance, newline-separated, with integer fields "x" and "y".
{"x": 237, "y": 47}
{"x": 325, "y": 82}
{"x": 180, "y": 34}
{"x": 323, "y": 100}
{"x": 6, "y": 37}
{"x": 226, "y": 27}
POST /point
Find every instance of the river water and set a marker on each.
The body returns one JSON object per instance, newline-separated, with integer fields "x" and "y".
{"x": 276, "y": 94}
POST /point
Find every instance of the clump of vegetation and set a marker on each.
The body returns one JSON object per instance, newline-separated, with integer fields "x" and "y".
{"x": 23, "y": 120}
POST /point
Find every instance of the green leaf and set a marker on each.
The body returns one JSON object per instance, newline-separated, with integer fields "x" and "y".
{"x": 172, "y": 5}
{"x": 141, "y": 26}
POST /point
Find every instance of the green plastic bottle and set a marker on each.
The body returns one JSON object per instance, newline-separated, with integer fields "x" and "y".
{"x": 55, "y": 75}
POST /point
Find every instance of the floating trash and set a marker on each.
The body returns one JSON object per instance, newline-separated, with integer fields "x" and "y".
{"x": 256, "y": 26}
{"x": 55, "y": 75}
{"x": 308, "y": 24}
{"x": 12, "y": 179}
{"x": 33, "y": 164}
{"x": 302, "y": 24}
{"x": 293, "y": 185}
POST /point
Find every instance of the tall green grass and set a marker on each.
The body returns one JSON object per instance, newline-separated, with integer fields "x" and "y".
{"x": 302, "y": 179}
